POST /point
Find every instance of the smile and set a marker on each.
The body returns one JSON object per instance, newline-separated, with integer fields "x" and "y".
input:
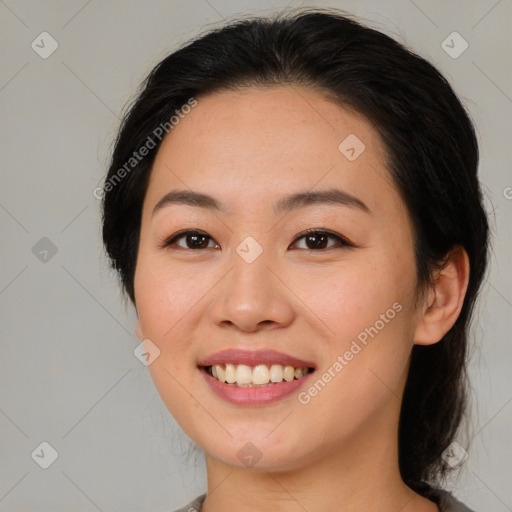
{"x": 254, "y": 377}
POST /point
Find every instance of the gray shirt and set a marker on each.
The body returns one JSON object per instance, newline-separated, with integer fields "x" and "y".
{"x": 443, "y": 499}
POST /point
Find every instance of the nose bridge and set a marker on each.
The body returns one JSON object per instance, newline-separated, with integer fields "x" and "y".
{"x": 250, "y": 263}
{"x": 251, "y": 281}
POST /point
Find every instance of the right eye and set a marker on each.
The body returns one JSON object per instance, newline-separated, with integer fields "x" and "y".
{"x": 193, "y": 240}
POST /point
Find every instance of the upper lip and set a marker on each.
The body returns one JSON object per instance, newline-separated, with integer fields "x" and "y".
{"x": 254, "y": 357}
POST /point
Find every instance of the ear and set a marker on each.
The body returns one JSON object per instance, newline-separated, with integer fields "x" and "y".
{"x": 445, "y": 299}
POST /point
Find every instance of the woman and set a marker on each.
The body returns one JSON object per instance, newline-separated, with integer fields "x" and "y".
{"x": 294, "y": 210}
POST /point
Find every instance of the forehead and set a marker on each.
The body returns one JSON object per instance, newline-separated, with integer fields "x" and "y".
{"x": 255, "y": 142}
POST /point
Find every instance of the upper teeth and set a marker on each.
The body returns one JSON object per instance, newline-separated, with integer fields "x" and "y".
{"x": 261, "y": 374}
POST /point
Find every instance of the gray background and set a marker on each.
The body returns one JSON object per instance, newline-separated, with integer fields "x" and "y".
{"x": 68, "y": 373}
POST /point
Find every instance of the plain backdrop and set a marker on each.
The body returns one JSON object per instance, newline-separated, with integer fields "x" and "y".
{"x": 69, "y": 377}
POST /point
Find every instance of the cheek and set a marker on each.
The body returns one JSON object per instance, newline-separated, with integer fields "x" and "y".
{"x": 166, "y": 300}
{"x": 352, "y": 297}
{"x": 165, "y": 295}
{"x": 367, "y": 314}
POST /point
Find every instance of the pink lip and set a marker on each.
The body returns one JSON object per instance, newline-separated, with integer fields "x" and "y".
{"x": 253, "y": 396}
{"x": 256, "y": 395}
{"x": 254, "y": 357}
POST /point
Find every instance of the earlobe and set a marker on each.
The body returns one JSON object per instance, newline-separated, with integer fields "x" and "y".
{"x": 445, "y": 299}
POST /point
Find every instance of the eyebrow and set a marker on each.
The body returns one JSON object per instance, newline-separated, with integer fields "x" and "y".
{"x": 286, "y": 204}
{"x": 331, "y": 196}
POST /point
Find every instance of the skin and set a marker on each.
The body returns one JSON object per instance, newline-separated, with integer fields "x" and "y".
{"x": 248, "y": 149}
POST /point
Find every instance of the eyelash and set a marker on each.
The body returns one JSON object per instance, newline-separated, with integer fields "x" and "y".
{"x": 343, "y": 242}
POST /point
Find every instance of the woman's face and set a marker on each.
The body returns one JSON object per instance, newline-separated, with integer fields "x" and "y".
{"x": 251, "y": 282}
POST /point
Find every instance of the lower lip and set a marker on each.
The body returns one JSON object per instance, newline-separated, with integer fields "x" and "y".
{"x": 253, "y": 396}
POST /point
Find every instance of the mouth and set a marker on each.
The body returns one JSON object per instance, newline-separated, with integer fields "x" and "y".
{"x": 254, "y": 378}
{"x": 253, "y": 385}
{"x": 260, "y": 375}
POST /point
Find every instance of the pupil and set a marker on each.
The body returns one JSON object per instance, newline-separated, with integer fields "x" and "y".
{"x": 320, "y": 245}
{"x": 194, "y": 238}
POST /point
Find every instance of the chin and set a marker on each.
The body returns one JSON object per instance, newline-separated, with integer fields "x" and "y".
{"x": 258, "y": 454}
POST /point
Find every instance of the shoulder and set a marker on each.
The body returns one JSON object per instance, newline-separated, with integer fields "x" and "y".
{"x": 193, "y": 506}
{"x": 448, "y": 503}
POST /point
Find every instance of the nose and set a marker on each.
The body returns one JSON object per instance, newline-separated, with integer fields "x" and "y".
{"x": 253, "y": 296}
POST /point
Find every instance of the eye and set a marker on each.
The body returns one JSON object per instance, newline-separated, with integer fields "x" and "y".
{"x": 193, "y": 240}
{"x": 317, "y": 240}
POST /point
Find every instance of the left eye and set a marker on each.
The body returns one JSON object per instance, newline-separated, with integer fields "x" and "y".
{"x": 315, "y": 240}
{"x": 318, "y": 240}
